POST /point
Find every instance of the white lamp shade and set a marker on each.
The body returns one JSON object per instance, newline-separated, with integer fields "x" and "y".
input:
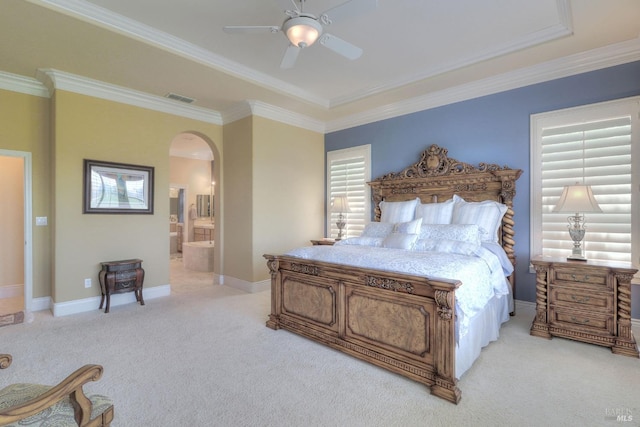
{"x": 340, "y": 204}
{"x": 577, "y": 198}
{"x": 302, "y": 31}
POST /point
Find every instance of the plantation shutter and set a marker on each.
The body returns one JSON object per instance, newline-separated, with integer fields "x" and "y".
{"x": 596, "y": 153}
{"x": 347, "y": 175}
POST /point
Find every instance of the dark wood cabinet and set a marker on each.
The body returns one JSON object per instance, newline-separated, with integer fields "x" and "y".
{"x": 121, "y": 276}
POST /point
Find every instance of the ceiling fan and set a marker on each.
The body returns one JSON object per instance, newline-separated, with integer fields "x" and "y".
{"x": 304, "y": 29}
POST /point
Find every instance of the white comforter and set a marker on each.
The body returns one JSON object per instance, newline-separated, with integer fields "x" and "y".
{"x": 481, "y": 273}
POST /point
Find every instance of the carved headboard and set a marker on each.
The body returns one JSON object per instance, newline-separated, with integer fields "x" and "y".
{"x": 436, "y": 178}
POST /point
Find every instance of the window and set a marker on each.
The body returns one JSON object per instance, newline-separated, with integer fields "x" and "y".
{"x": 348, "y": 172}
{"x": 597, "y": 145}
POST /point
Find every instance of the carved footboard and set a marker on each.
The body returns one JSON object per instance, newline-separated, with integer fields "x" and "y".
{"x": 396, "y": 321}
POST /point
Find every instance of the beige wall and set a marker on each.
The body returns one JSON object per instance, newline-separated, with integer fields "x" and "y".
{"x": 25, "y": 128}
{"x": 11, "y": 221}
{"x": 269, "y": 188}
{"x": 274, "y": 186}
{"x": 91, "y": 128}
{"x": 238, "y": 203}
{"x": 288, "y": 190}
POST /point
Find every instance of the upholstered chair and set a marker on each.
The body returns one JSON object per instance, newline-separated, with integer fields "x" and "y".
{"x": 64, "y": 404}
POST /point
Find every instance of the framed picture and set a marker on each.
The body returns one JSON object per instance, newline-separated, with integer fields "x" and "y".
{"x": 117, "y": 188}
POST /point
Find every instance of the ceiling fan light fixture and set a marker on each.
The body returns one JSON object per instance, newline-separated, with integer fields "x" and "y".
{"x": 302, "y": 31}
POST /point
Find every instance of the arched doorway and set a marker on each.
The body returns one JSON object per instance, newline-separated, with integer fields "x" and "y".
{"x": 194, "y": 206}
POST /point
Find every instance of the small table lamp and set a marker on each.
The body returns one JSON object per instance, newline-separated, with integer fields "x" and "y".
{"x": 340, "y": 205}
{"x": 577, "y": 198}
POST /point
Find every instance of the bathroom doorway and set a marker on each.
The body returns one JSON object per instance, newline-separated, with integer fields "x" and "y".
{"x": 191, "y": 161}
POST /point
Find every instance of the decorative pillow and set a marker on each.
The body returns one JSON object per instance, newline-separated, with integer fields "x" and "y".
{"x": 400, "y": 241}
{"x": 435, "y": 213}
{"x": 410, "y": 227}
{"x": 361, "y": 241}
{"x": 487, "y": 215}
{"x": 398, "y": 211}
{"x": 445, "y": 245}
{"x": 469, "y": 233}
{"x": 378, "y": 229}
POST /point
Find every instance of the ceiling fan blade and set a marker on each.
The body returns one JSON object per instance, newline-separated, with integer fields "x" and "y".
{"x": 340, "y": 46}
{"x": 244, "y": 29}
{"x": 348, "y": 9}
{"x": 290, "y": 56}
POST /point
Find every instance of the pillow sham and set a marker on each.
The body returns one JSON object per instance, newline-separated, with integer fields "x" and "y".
{"x": 435, "y": 213}
{"x": 400, "y": 241}
{"x": 410, "y": 227}
{"x": 469, "y": 233}
{"x": 398, "y": 211}
{"x": 487, "y": 215}
{"x": 378, "y": 229}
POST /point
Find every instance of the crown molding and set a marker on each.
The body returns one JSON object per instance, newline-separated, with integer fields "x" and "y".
{"x": 261, "y": 109}
{"x": 59, "y": 80}
{"x": 21, "y": 84}
{"x": 596, "y": 59}
{"x": 278, "y": 114}
{"x": 562, "y": 29}
{"x": 104, "y": 18}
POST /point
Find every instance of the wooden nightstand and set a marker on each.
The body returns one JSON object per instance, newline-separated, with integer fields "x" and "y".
{"x": 328, "y": 242}
{"x": 585, "y": 301}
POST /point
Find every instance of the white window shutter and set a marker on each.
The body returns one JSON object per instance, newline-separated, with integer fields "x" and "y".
{"x": 348, "y": 172}
{"x": 591, "y": 145}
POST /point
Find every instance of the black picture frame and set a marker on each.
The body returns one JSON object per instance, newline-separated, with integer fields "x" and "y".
{"x": 117, "y": 188}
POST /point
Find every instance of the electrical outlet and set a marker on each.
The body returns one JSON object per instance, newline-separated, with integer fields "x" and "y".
{"x": 87, "y": 283}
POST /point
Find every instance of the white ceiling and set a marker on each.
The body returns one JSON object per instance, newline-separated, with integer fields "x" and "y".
{"x": 417, "y": 53}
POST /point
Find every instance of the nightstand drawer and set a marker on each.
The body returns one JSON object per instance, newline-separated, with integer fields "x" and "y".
{"x": 581, "y": 277}
{"x": 581, "y": 299}
{"x": 572, "y": 319}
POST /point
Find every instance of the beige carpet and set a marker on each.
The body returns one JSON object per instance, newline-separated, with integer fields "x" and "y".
{"x": 203, "y": 357}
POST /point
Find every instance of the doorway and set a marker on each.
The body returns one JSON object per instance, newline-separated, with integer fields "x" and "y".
{"x": 15, "y": 227}
{"x": 191, "y": 170}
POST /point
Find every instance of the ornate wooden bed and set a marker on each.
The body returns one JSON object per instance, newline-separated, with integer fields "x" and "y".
{"x": 401, "y": 322}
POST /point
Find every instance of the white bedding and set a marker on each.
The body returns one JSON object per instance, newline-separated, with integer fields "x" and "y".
{"x": 479, "y": 270}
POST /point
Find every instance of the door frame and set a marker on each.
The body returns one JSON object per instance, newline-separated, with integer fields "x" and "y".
{"x": 28, "y": 226}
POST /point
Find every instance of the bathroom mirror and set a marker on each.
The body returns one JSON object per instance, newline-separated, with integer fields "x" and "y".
{"x": 202, "y": 205}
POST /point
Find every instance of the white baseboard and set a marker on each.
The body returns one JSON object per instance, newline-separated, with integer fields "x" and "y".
{"x": 89, "y": 304}
{"x": 41, "y": 304}
{"x": 243, "y": 285}
{"x": 520, "y": 303}
{"x": 11, "y": 291}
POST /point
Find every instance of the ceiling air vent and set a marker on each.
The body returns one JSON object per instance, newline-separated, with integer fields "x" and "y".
{"x": 180, "y": 98}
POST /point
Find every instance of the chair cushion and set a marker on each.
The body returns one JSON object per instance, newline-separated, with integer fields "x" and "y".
{"x": 60, "y": 414}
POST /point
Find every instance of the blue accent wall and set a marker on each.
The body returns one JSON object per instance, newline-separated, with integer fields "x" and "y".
{"x": 495, "y": 129}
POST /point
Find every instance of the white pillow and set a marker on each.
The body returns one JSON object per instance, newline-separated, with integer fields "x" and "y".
{"x": 469, "y": 233}
{"x": 435, "y": 213}
{"x": 361, "y": 241}
{"x": 445, "y": 245}
{"x": 487, "y": 215}
{"x": 400, "y": 241}
{"x": 378, "y": 229}
{"x": 410, "y": 227}
{"x": 398, "y": 211}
